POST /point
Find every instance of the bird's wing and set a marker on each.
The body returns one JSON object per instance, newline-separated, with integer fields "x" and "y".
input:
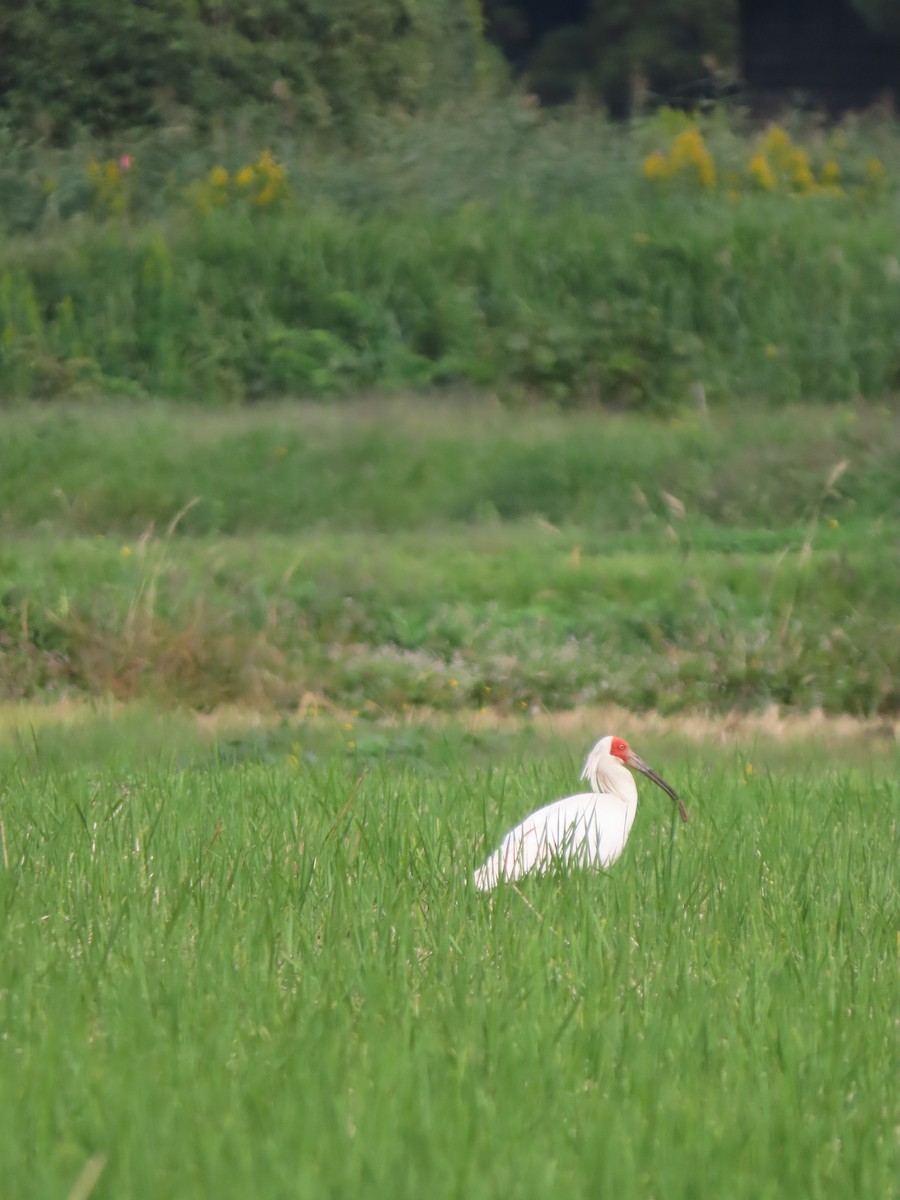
{"x": 587, "y": 830}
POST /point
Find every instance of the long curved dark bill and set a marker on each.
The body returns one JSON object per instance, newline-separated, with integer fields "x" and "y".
{"x": 640, "y": 765}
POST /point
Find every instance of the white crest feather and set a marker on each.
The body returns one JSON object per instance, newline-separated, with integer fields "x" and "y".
{"x": 598, "y": 757}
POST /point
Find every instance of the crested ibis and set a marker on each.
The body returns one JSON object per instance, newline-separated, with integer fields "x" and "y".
{"x": 588, "y": 830}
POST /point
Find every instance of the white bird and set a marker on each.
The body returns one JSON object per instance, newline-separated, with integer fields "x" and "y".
{"x": 588, "y": 830}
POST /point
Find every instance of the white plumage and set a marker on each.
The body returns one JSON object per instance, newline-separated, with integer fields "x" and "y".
{"x": 588, "y": 830}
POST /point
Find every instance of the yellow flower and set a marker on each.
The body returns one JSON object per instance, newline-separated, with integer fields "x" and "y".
{"x": 687, "y": 146}
{"x": 218, "y": 177}
{"x": 689, "y": 153}
{"x": 771, "y": 351}
{"x": 874, "y": 170}
{"x": 777, "y": 145}
{"x": 831, "y": 172}
{"x": 293, "y": 760}
{"x": 706, "y": 171}
{"x": 266, "y": 165}
{"x": 776, "y": 138}
{"x": 833, "y": 522}
{"x": 267, "y": 178}
{"x": 800, "y": 172}
{"x": 126, "y": 551}
{"x": 453, "y": 683}
{"x": 761, "y": 173}
{"x": 656, "y": 166}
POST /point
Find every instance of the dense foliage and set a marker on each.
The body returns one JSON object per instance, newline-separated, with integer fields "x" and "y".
{"x": 103, "y": 65}
{"x": 621, "y": 49}
{"x": 882, "y": 16}
{"x": 99, "y": 66}
{"x": 572, "y": 260}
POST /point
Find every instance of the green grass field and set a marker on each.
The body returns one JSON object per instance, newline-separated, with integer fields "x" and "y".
{"x": 231, "y": 971}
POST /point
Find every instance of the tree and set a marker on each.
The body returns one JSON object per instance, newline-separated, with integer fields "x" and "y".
{"x": 882, "y": 16}
{"x": 103, "y": 65}
{"x": 614, "y": 48}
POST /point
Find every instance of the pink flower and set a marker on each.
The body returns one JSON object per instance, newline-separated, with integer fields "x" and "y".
{"x": 125, "y": 162}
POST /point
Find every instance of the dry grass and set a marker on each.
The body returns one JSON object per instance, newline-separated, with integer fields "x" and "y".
{"x": 577, "y": 725}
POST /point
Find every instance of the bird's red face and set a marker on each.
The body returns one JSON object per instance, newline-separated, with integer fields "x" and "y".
{"x": 620, "y": 749}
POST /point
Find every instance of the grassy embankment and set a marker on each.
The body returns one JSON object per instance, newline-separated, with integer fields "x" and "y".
{"x": 563, "y": 259}
{"x": 375, "y": 558}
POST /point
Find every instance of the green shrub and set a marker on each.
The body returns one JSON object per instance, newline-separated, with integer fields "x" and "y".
{"x": 564, "y": 305}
